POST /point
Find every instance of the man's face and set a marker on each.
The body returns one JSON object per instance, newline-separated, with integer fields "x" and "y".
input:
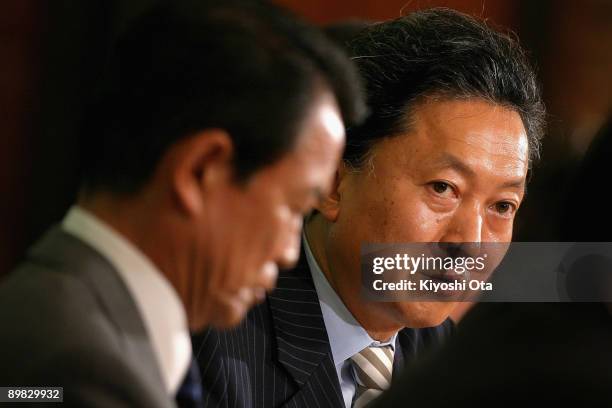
{"x": 457, "y": 176}
{"x": 254, "y": 228}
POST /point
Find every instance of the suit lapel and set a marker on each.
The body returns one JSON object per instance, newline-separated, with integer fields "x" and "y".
{"x": 302, "y": 345}
{"x": 411, "y": 342}
{"x": 67, "y": 254}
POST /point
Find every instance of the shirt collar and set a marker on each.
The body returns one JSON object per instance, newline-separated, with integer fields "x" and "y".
{"x": 346, "y": 336}
{"x": 158, "y": 303}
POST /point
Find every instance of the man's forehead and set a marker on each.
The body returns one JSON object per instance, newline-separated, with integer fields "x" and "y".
{"x": 477, "y": 152}
{"x": 322, "y": 124}
{"x": 512, "y": 172}
{"x": 462, "y": 155}
{"x": 471, "y": 127}
{"x": 445, "y": 149}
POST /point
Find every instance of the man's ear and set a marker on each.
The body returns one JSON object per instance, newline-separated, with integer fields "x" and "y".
{"x": 330, "y": 205}
{"x": 199, "y": 165}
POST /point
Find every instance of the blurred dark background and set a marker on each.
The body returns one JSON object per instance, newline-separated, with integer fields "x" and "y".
{"x": 53, "y": 53}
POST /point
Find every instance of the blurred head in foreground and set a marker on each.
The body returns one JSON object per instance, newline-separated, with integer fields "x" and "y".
{"x": 455, "y": 121}
{"x": 221, "y": 125}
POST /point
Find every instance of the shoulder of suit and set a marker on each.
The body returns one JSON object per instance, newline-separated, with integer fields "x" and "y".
{"x": 44, "y": 313}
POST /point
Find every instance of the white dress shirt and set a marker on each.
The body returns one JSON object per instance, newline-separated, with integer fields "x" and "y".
{"x": 346, "y": 336}
{"x": 157, "y": 301}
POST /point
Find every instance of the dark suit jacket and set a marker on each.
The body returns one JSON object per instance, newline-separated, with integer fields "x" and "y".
{"x": 280, "y": 355}
{"x": 516, "y": 355}
{"x": 68, "y": 320}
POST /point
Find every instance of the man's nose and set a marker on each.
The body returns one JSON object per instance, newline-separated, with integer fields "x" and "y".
{"x": 464, "y": 228}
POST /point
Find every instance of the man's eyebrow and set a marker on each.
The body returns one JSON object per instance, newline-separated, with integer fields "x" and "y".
{"x": 518, "y": 183}
{"x": 448, "y": 160}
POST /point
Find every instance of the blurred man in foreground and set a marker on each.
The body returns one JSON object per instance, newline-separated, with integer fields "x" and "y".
{"x": 222, "y": 126}
{"x": 443, "y": 157}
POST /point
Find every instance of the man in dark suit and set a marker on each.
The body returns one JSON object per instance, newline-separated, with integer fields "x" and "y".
{"x": 455, "y": 120}
{"x": 531, "y": 354}
{"x": 222, "y": 124}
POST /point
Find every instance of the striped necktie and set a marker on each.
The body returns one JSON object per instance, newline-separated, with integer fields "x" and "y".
{"x": 372, "y": 368}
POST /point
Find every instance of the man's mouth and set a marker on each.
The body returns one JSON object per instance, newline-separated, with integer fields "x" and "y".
{"x": 447, "y": 276}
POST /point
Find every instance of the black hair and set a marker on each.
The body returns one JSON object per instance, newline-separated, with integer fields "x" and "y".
{"x": 440, "y": 53}
{"x": 247, "y": 67}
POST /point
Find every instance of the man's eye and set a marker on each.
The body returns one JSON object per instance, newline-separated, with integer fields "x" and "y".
{"x": 504, "y": 207}
{"x": 440, "y": 187}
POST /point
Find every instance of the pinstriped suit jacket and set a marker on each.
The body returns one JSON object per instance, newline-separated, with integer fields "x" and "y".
{"x": 280, "y": 355}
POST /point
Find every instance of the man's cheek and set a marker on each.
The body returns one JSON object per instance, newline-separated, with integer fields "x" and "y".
{"x": 415, "y": 222}
{"x": 504, "y": 235}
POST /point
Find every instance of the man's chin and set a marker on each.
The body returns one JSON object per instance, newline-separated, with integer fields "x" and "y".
{"x": 229, "y": 309}
{"x": 228, "y": 312}
{"x": 424, "y": 314}
{"x": 227, "y": 319}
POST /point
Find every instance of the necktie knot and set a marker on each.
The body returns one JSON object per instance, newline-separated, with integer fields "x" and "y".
{"x": 372, "y": 368}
